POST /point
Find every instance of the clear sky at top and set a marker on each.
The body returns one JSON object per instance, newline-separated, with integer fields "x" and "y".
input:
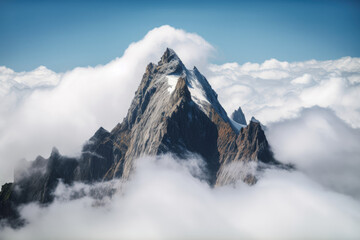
{"x": 65, "y": 34}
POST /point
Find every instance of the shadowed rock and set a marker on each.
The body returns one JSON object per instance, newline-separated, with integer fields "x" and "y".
{"x": 238, "y": 116}
{"x": 174, "y": 110}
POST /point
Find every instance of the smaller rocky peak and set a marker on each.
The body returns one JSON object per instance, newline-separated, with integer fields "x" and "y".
{"x": 254, "y": 120}
{"x": 255, "y": 130}
{"x": 54, "y": 153}
{"x": 238, "y": 116}
{"x": 96, "y": 139}
{"x": 53, "y": 160}
{"x": 100, "y": 133}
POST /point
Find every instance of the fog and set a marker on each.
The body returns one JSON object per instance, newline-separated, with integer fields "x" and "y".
{"x": 164, "y": 200}
{"x": 321, "y": 145}
{"x": 42, "y": 109}
{"x": 312, "y": 117}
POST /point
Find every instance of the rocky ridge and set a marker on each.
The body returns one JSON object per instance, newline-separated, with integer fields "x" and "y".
{"x": 174, "y": 110}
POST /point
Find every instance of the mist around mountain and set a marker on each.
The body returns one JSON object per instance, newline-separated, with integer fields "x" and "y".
{"x": 174, "y": 111}
{"x": 171, "y": 195}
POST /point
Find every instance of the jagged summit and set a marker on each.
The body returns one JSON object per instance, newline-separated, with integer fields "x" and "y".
{"x": 253, "y": 119}
{"x": 170, "y": 99}
{"x": 166, "y": 74}
{"x": 170, "y": 63}
{"x": 238, "y": 116}
{"x": 169, "y": 55}
{"x": 174, "y": 110}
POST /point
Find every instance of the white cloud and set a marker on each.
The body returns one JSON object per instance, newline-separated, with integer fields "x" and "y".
{"x": 12, "y": 81}
{"x": 82, "y": 99}
{"x": 164, "y": 201}
{"x": 321, "y": 145}
{"x": 304, "y": 79}
{"x": 41, "y": 109}
{"x": 279, "y": 90}
{"x": 14, "y": 87}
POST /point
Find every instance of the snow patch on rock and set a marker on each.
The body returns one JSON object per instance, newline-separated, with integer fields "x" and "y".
{"x": 197, "y": 91}
{"x": 172, "y": 81}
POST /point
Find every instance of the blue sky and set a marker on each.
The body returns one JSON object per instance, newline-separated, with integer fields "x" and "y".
{"x": 65, "y": 34}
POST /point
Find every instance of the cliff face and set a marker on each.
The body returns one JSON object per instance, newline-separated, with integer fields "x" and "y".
{"x": 174, "y": 110}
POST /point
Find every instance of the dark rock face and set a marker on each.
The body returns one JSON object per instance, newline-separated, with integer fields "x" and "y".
{"x": 238, "y": 116}
{"x": 200, "y": 135}
{"x": 8, "y": 207}
{"x": 96, "y": 158}
{"x": 174, "y": 110}
{"x": 37, "y": 181}
{"x": 253, "y": 145}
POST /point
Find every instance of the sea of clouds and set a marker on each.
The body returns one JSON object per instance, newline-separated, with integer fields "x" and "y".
{"x": 312, "y": 116}
{"x": 164, "y": 200}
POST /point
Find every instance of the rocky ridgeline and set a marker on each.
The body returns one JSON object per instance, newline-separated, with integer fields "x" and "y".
{"x": 174, "y": 110}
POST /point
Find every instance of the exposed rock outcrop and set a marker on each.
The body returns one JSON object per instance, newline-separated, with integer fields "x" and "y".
{"x": 238, "y": 116}
{"x": 174, "y": 110}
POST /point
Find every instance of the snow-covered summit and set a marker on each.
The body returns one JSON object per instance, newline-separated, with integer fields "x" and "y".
{"x": 170, "y": 69}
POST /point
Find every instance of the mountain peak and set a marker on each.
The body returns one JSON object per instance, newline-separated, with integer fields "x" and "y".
{"x": 238, "y": 116}
{"x": 253, "y": 119}
{"x": 55, "y": 152}
{"x": 174, "y": 110}
{"x": 169, "y": 56}
{"x": 170, "y": 63}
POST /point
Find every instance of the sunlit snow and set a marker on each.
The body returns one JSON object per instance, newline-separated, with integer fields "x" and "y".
{"x": 172, "y": 80}
{"x": 197, "y": 91}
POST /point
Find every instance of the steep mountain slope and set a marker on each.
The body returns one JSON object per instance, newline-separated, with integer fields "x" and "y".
{"x": 174, "y": 110}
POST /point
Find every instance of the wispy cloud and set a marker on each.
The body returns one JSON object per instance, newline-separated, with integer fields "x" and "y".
{"x": 275, "y": 90}
{"x": 321, "y": 145}
{"x": 163, "y": 200}
{"x": 312, "y": 115}
{"x": 80, "y": 100}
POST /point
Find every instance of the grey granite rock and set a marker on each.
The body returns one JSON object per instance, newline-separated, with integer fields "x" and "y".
{"x": 174, "y": 110}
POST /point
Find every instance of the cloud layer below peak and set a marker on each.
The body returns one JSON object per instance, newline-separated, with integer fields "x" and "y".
{"x": 275, "y": 90}
{"x": 41, "y": 109}
{"x": 312, "y": 114}
{"x": 164, "y": 201}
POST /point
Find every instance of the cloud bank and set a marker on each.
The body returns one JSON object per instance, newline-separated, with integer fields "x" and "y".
{"x": 42, "y": 109}
{"x": 321, "y": 145}
{"x": 76, "y": 103}
{"x": 274, "y": 90}
{"x": 163, "y": 200}
{"x": 312, "y": 115}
